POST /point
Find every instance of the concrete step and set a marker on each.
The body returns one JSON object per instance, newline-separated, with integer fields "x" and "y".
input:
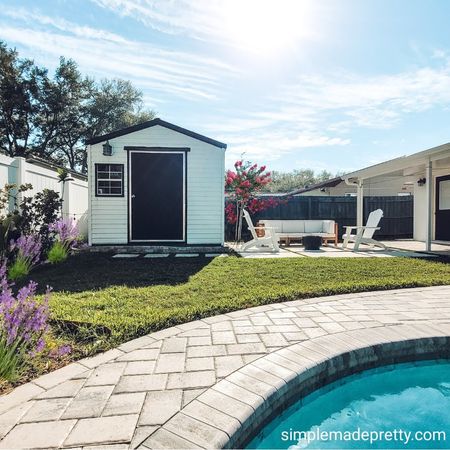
{"x": 146, "y": 249}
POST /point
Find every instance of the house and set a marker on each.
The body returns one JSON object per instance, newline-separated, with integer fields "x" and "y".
{"x": 337, "y": 187}
{"x": 156, "y": 183}
{"x": 428, "y": 173}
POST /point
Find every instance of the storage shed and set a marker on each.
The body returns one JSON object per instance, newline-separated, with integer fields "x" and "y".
{"x": 156, "y": 183}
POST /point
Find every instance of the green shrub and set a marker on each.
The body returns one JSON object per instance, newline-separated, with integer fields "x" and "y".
{"x": 58, "y": 253}
{"x": 37, "y": 213}
{"x": 11, "y": 360}
{"x": 19, "y": 269}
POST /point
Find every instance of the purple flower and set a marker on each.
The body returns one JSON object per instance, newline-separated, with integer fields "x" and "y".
{"x": 28, "y": 248}
{"x": 66, "y": 231}
{"x": 60, "y": 351}
{"x": 23, "y": 320}
{"x": 4, "y": 284}
{"x": 40, "y": 344}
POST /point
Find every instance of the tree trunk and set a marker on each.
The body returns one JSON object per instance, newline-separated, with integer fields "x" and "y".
{"x": 240, "y": 213}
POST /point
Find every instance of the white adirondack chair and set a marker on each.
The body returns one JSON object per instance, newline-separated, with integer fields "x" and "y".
{"x": 269, "y": 240}
{"x": 364, "y": 234}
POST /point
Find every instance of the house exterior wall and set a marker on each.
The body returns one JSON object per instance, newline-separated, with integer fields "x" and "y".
{"x": 420, "y": 205}
{"x": 204, "y": 196}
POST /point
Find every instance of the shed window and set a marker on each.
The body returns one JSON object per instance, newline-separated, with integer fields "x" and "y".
{"x": 109, "y": 180}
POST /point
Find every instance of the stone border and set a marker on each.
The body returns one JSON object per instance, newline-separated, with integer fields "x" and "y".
{"x": 229, "y": 413}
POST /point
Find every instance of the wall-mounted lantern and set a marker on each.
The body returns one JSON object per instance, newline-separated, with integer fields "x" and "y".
{"x": 422, "y": 181}
{"x": 107, "y": 149}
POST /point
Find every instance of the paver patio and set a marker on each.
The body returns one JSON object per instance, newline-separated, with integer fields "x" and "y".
{"x": 394, "y": 249}
{"x": 123, "y": 396}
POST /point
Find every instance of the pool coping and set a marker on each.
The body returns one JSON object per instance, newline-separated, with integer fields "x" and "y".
{"x": 229, "y": 413}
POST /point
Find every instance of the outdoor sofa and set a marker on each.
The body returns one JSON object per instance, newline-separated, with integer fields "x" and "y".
{"x": 296, "y": 230}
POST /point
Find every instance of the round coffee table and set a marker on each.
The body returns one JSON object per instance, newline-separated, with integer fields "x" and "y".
{"x": 312, "y": 242}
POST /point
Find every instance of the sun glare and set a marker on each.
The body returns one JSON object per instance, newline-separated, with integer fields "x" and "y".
{"x": 265, "y": 25}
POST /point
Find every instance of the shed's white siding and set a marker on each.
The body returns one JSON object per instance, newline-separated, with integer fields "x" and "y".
{"x": 205, "y": 189}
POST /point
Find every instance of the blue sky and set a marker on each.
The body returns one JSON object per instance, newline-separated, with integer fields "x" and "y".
{"x": 321, "y": 84}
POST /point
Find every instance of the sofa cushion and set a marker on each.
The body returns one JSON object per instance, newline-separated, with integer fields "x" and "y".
{"x": 293, "y": 226}
{"x": 300, "y": 227}
{"x": 275, "y": 224}
{"x": 328, "y": 226}
{"x": 313, "y": 226}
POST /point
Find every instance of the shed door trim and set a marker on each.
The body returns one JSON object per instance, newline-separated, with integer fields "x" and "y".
{"x": 170, "y": 151}
{"x": 156, "y": 149}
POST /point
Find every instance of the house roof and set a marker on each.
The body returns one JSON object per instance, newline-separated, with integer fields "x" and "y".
{"x": 332, "y": 182}
{"x": 403, "y": 162}
{"x": 152, "y": 123}
{"x": 386, "y": 167}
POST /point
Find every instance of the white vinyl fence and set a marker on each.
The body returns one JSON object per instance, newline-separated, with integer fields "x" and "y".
{"x": 43, "y": 176}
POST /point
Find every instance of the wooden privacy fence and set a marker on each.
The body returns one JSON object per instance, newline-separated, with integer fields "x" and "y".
{"x": 397, "y": 222}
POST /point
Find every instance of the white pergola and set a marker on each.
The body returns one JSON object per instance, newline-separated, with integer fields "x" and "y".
{"x": 423, "y": 165}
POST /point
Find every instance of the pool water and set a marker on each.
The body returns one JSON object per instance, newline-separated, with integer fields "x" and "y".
{"x": 374, "y": 409}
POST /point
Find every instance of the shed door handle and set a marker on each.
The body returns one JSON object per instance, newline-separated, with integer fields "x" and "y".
{"x": 133, "y": 196}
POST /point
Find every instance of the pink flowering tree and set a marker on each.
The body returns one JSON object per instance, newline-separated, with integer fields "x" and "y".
{"x": 243, "y": 185}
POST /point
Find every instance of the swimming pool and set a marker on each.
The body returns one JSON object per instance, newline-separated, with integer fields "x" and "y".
{"x": 398, "y": 406}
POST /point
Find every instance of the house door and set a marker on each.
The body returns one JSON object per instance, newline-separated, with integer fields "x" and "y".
{"x": 442, "y": 232}
{"x": 157, "y": 196}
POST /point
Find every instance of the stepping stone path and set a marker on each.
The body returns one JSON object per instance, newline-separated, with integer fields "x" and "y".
{"x": 124, "y": 396}
{"x": 165, "y": 255}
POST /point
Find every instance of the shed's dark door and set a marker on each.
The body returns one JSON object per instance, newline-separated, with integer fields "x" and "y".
{"x": 157, "y": 196}
{"x": 442, "y": 232}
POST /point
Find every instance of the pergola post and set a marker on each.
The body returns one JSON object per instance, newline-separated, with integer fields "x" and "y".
{"x": 359, "y": 203}
{"x": 429, "y": 204}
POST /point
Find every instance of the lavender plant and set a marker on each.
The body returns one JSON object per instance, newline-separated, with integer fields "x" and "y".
{"x": 59, "y": 352}
{"x": 67, "y": 237}
{"x": 27, "y": 249}
{"x": 23, "y": 324}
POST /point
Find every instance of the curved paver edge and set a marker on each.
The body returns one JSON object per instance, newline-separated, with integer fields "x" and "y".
{"x": 229, "y": 412}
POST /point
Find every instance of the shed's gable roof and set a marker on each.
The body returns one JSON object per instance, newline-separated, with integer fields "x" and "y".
{"x": 152, "y": 123}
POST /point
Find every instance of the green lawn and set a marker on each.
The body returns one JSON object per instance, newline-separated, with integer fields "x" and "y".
{"x": 99, "y": 302}
{"x": 131, "y": 297}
